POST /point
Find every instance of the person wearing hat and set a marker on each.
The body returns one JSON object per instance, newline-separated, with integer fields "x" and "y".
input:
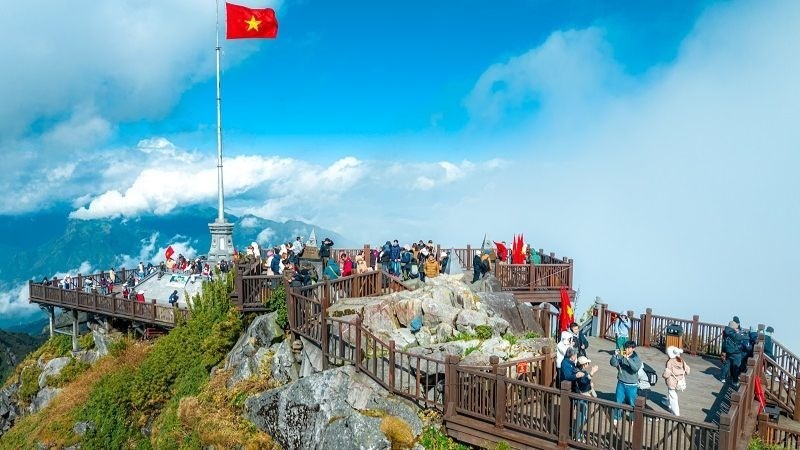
{"x": 731, "y": 354}
{"x": 627, "y": 363}
{"x": 675, "y": 377}
{"x": 583, "y": 385}
{"x": 769, "y": 347}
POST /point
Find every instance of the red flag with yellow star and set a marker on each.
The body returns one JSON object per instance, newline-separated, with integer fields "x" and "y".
{"x": 244, "y": 22}
{"x": 565, "y": 315}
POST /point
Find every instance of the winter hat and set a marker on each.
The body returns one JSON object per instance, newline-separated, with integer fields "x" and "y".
{"x": 736, "y": 319}
{"x": 673, "y": 352}
{"x": 770, "y": 330}
{"x": 583, "y": 360}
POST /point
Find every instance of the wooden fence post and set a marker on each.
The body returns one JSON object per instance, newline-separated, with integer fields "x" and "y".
{"x": 468, "y": 262}
{"x": 366, "y": 253}
{"x": 693, "y": 344}
{"x": 637, "y": 435}
{"x": 565, "y": 410}
{"x": 392, "y": 362}
{"x": 762, "y": 428}
{"x": 324, "y": 333}
{"x": 647, "y": 325}
{"x": 797, "y": 398}
{"x": 499, "y": 393}
{"x": 725, "y": 438}
{"x": 451, "y": 385}
{"x": 531, "y": 277}
{"x": 548, "y": 368}
{"x": 358, "y": 344}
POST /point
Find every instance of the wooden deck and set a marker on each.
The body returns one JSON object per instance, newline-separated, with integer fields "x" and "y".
{"x": 704, "y": 400}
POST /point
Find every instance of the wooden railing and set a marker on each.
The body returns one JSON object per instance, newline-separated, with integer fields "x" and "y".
{"x": 107, "y": 304}
{"x": 774, "y": 434}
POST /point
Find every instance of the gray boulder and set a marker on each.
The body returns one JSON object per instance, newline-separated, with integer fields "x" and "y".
{"x": 101, "y": 341}
{"x": 247, "y": 357}
{"x": 52, "y": 368}
{"x": 323, "y": 410}
{"x": 489, "y": 283}
{"x": 43, "y": 398}
{"x": 518, "y": 315}
{"x": 468, "y": 319}
{"x": 284, "y": 369}
{"x": 424, "y": 337}
{"x": 311, "y": 358}
{"x": 444, "y": 332}
{"x": 436, "y": 312}
{"x": 80, "y": 428}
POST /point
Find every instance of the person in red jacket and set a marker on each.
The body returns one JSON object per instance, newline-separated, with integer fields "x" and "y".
{"x": 346, "y": 263}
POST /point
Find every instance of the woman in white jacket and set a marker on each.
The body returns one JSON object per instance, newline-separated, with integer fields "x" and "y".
{"x": 562, "y": 346}
{"x": 675, "y": 377}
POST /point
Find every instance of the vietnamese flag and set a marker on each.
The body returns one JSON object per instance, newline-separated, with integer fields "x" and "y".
{"x": 565, "y": 316}
{"x": 168, "y": 254}
{"x": 244, "y": 22}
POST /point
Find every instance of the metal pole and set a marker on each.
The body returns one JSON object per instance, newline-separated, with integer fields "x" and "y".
{"x": 220, "y": 200}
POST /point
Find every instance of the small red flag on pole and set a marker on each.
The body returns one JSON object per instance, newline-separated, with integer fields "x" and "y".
{"x": 565, "y": 315}
{"x": 168, "y": 254}
{"x": 244, "y": 22}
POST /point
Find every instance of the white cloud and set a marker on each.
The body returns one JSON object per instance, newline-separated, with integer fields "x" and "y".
{"x": 265, "y": 236}
{"x": 248, "y": 222}
{"x": 151, "y": 252}
{"x": 15, "y": 302}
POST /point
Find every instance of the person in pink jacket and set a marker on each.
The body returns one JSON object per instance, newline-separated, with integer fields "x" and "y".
{"x": 675, "y": 377}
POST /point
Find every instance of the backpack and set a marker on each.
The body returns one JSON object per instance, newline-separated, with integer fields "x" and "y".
{"x": 652, "y": 375}
{"x": 414, "y": 268}
{"x": 385, "y": 256}
{"x": 405, "y": 258}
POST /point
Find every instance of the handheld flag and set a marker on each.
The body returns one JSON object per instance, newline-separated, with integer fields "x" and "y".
{"x": 565, "y": 315}
{"x": 168, "y": 254}
{"x": 502, "y": 251}
{"x": 244, "y": 22}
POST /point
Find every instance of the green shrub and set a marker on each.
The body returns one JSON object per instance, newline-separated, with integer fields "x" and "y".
{"x": 510, "y": 338}
{"x": 483, "y": 332}
{"x": 29, "y": 383}
{"x": 758, "y": 444}
{"x": 462, "y": 336}
{"x": 469, "y": 350}
{"x": 177, "y": 366}
{"x": 502, "y": 445}
{"x": 118, "y": 347}
{"x": 531, "y": 335}
{"x": 86, "y": 342}
{"x": 277, "y": 302}
{"x": 432, "y": 438}
{"x": 68, "y": 373}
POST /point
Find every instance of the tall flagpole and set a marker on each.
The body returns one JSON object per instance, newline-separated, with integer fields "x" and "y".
{"x": 221, "y": 231}
{"x": 220, "y": 199}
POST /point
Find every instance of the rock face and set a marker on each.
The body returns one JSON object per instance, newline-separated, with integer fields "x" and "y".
{"x": 101, "y": 341}
{"x": 52, "y": 369}
{"x": 42, "y": 399}
{"x": 324, "y": 410}
{"x": 9, "y": 409}
{"x": 487, "y": 284}
{"x": 284, "y": 369}
{"x": 518, "y": 315}
{"x": 251, "y": 352}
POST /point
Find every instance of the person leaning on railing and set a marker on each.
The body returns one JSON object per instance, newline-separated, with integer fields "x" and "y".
{"x": 733, "y": 356}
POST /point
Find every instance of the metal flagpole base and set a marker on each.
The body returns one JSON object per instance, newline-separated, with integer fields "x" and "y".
{"x": 221, "y": 241}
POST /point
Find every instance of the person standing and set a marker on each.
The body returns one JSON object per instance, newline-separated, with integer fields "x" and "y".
{"x": 675, "y": 377}
{"x": 584, "y": 386}
{"x": 628, "y": 364}
{"x": 622, "y": 330}
{"x": 581, "y": 343}
{"x": 732, "y": 348}
{"x": 561, "y": 348}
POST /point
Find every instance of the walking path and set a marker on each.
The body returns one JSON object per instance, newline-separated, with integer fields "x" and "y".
{"x": 704, "y": 400}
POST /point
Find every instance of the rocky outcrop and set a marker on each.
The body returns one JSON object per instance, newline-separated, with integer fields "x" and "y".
{"x": 42, "y": 399}
{"x": 101, "y": 342}
{"x": 338, "y": 408}
{"x": 52, "y": 368}
{"x": 9, "y": 408}
{"x": 519, "y": 316}
{"x": 283, "y": 367}
{"x": 251, "y": 351}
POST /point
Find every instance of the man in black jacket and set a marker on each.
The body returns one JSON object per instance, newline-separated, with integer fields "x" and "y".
{"x": 732, "y": 353}
{"x": 476, "y": 267}
{"x": 325, "y": 251}
{"x": 580, "y": 342}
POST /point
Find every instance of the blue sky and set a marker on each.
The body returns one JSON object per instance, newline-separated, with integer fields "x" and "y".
{"x": 654, "y": 142}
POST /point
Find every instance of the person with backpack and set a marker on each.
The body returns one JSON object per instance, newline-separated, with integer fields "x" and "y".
{"x": 675, "y": 377}
{"x": 325, "y": 251}
{"x": 580, "y": 341}
{"x": 173, "y": 298}
{"x": 332, "y": 270}
{"x": 413, "y": 272}
{"x": 394, "y": 255}
{"x": 405, "y": 261}
{"x": 385, "y": 256}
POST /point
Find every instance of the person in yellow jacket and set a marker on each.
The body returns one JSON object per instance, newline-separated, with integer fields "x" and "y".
{"x": 431, "y": 267}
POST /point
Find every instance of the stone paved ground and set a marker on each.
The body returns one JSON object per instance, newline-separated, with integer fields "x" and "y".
{"x": 704, "y": 400}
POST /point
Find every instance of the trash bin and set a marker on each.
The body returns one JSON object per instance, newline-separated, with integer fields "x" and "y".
{"x": 674, "y": 334}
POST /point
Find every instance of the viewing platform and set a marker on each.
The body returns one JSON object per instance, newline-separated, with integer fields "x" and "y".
{"x": 526, "y": 408}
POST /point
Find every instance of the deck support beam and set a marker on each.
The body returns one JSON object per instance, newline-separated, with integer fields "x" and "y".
{"x": 51, "y": 314}
{"x": 75, "y": 347}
